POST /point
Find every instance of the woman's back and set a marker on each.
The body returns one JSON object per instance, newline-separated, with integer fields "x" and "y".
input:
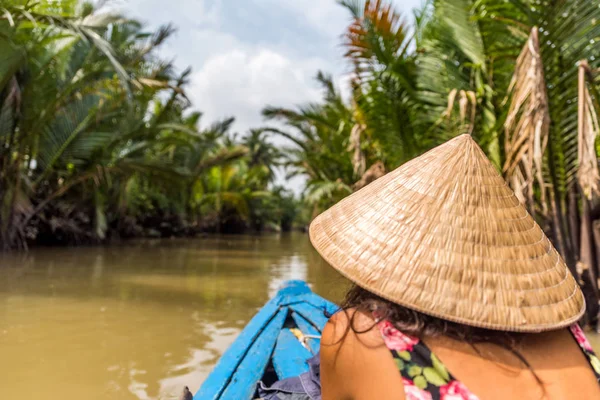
{"x": 382, "y": 363}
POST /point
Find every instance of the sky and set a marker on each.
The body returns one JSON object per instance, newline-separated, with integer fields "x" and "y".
{"x": 246, "y": 54}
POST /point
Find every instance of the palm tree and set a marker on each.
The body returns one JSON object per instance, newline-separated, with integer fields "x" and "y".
{"x": 49, "y": 99}
{"x": 320, "y": 138}
{"x": 225, "y": 197}
{"x": 377, "y": 44}
{"x": 89, "y": 117}
{"x": 262, "y": 154}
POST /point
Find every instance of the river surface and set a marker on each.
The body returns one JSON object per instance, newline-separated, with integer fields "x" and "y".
{"x": 139, "y": 320}
{"x": 142, "y": 319}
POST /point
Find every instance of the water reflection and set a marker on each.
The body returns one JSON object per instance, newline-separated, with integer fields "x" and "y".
{"x": 293, "y": 267}
{"x": 140, "y": 320}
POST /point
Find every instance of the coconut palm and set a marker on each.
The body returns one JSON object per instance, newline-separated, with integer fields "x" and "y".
{"x": 89, "y": 116}
{"x": 49, "y": 100}
{"x": 377, "y": 44}
{"x": 319, "y": 136}
{"x": 262, "y": 154}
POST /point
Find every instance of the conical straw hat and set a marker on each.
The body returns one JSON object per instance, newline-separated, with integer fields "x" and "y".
{"x": 444, "y": 235}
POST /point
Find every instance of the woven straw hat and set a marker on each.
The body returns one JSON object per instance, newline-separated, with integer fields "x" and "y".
{"x": 444, "y": 235}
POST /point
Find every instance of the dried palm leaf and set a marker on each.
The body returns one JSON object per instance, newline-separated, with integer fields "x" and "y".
{"x": 374, "y": 172}
{"x": 467, "y": 105}
{"x": 588, "y": 176}
{"x": 527, "y": 125}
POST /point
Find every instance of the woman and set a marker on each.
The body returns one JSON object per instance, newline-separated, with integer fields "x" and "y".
{"x": 459, "y": 294}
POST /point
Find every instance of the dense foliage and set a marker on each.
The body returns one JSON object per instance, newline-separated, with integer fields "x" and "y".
{"x": 98, "y": 138}
{"x": 520, "y": 76}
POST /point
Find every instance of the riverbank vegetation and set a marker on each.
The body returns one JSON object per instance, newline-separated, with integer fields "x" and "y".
{"x": 520, "y": 76}
{"x": 99, "y": 140}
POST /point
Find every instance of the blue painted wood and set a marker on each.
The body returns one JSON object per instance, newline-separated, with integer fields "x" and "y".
{"x": 243, "y": 364}
{"x": 289, "y": 357}
{"x": 321, "y": 303}
{"x": 219, "y": 378}
{"x": 314, "y": 315}
{"x": 308, "y": 328}
{"x": 325, "y": 307}
{"x": 243, "y": 382}
{"x": 294, "y": 288}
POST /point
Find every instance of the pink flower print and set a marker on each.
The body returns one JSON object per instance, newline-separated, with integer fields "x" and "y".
{"x": 411, "y": 392}
{"x": 394, "y": 339}
{"x": 456, "y": 391}
{"x": 580, "y": 337}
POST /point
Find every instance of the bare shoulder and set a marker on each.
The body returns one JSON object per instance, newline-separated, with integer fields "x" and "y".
{"x": 350, "y": 326}
{"x": 355, "y": 363}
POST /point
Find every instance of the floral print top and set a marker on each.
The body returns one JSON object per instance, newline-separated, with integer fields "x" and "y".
{"x": 426, "y": 378}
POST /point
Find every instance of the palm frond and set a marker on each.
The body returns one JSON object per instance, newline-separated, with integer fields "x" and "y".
{"x": 377, "y": 36}
{"x": 527, "y": 124}
{"x": 318, "y": 191}
{"x": 465, "y": 33}
{"x": 222, "y": 157}
{"x": 12, "y": 59}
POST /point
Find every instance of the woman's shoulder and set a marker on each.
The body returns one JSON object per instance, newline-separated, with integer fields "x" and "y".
{"x": 355, "y": 363}
{"x": 352, "y": 326}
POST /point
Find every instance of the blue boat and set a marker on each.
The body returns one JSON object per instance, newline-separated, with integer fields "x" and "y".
{"x": 274, "y": 345}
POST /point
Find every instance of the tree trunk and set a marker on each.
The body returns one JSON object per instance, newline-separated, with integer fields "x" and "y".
{"x": 591, "y": 298}
{"x": 587, "y": 253}
{"x": 558, "y": 232}
{"x": 573, "y": 218}
{"x": 596, "y": 236}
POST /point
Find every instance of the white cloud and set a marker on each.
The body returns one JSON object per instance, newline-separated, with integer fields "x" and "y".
{"x": 241, "y": 81}
{"x": 185, "y": 13}
{"x": 328, "y": 17}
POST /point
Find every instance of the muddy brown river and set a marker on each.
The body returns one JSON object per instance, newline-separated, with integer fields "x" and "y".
{"x": 139, "y": 320}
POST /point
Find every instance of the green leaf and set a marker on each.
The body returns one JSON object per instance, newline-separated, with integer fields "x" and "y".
{"x": 67, "y": 126}
{"x": 399, "y": 363}
{"x": 466, "y": 32}
{"x": 405, "y": 355}
{"x": 414, "y": 371}
{"x": 439, "y": 367}
{"x": 433, "y": 377}
{"x": 420, "y": 382}
{"x": 12, "y": 57}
